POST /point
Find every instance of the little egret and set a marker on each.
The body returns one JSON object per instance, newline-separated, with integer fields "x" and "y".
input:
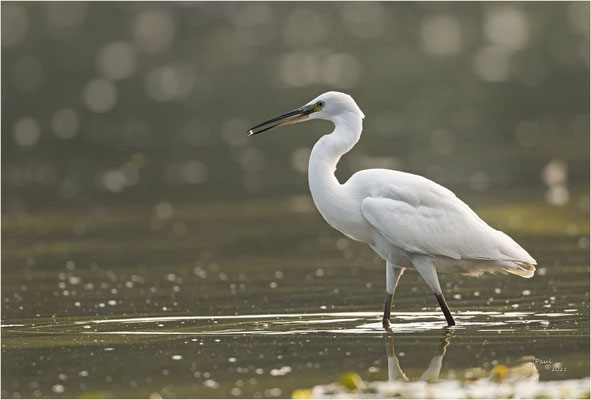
{"x": 410, "y": 221}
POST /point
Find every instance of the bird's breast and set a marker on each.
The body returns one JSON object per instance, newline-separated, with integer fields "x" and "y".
{"x": 343, "y": 213}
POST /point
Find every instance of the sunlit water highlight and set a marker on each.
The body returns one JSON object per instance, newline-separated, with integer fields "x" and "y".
{"x": 298, "y": 323}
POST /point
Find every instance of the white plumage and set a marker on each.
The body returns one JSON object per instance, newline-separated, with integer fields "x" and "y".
{"x": 410, "y": 221}
{"x": 420, "y": 216}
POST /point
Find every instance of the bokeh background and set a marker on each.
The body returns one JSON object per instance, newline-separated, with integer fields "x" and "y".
{"x": 150, "y": 102}
{"x": 143, "y": 230}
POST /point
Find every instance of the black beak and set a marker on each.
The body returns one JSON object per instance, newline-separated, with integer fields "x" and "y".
{"x": 291, "y": 117}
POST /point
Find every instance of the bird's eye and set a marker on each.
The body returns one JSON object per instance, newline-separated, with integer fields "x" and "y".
{"x": 320, "y": 104}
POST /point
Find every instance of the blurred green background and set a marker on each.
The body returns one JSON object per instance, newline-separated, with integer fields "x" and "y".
{"x": 105, "y": 103}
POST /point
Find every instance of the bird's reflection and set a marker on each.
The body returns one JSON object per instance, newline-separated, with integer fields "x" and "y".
{"x": 523, "y": 369}
{"x": 431, "y": 373}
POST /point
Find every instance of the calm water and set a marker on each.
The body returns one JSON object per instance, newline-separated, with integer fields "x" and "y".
{"x": 258, "y": 298}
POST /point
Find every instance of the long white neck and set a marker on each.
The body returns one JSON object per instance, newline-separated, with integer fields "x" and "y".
{"x": 327, "y": 152}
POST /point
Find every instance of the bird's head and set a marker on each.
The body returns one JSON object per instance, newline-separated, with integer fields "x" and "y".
{"x": 329, "y": 105}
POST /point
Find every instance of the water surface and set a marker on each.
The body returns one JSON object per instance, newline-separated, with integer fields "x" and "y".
{"x": 259, "y": 298}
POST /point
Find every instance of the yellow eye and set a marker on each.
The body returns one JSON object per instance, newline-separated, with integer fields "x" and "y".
{"x": 320, "y": 104}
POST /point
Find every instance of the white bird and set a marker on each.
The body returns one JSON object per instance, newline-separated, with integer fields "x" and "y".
{"x": 409, "y": 220}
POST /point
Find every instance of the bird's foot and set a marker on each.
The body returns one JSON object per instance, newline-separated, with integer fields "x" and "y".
{"x": 386, "y": 324}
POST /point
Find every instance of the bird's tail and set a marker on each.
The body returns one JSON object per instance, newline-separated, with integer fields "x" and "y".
{"x": 521, "y": 268}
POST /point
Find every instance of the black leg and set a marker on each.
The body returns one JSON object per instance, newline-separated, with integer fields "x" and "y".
{"x": 387, "y": 310}
{"x": 445, "y": 309}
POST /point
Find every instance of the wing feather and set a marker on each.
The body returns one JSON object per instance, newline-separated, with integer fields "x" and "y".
{"x": 437, "y": 223}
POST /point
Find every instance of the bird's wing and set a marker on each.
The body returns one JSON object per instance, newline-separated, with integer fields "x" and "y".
{"x": 431, "y": 220}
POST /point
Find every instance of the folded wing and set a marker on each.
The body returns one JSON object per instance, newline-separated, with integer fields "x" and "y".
{"x": 437, "y": 223}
